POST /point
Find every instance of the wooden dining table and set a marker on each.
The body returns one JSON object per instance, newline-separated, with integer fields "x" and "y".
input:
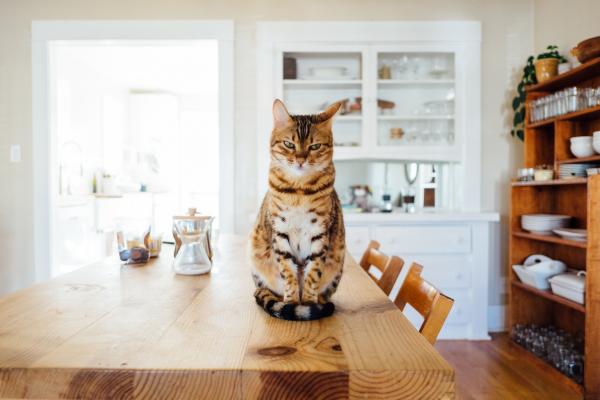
{"x": 140, "y": 331}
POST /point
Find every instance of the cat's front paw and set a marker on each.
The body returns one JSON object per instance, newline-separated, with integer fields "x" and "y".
{"x": 291, "y": 298}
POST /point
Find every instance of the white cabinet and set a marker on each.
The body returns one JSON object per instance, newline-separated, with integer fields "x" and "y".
{"x": 400, "y": 101}
{"x": 456, "y": 257}
{"x": 412, "y": 91}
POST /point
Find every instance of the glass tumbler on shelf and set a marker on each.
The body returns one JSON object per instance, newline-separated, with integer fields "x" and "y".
{"x": 194, "y": 256}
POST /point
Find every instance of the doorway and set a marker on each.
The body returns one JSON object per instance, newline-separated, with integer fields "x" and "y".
{"x": 137, "y": 129}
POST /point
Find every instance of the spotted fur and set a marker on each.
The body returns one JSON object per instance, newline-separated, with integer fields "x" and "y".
{"x": 297, "y": 245}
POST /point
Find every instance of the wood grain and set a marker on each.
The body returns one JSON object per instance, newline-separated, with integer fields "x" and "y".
{"x": 592, "y": 296}
{"x": 497, "y": 369}
{"x": 123, "y": 332}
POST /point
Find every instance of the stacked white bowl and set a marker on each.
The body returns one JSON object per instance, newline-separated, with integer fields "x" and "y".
{"x": 596, "y": 142}
{"x": 581, "y": 146}
{"x": 543, "y": 224}
{"x": 566, "y": 171}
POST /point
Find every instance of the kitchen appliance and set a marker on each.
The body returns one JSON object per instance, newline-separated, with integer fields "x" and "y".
{"x": 387, "y": 206}
{"x": 360, "y": 196}
{"x": 193, "y": 252}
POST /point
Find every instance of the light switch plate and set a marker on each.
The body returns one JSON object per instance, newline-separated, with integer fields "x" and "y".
{"x": 15, "y": 153}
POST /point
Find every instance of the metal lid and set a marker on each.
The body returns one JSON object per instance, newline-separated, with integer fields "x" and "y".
{"x": 192, "y": 215}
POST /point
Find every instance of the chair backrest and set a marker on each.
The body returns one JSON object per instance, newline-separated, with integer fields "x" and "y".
{"x": 432, "y": 304}
{"x": 389, "y": 267}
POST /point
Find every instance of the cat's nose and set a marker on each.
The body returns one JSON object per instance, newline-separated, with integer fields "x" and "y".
{"x": 301, "y": 161}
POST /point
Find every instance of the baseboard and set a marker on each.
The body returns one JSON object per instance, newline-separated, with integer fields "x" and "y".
{"x": 497, "y": 318}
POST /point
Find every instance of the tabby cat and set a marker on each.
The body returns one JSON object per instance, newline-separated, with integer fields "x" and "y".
{"x": 297, "y": 245}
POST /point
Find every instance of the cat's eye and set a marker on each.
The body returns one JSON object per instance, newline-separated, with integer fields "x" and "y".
{"x": 315, "y": 146}
{"x": 289, "y": 145}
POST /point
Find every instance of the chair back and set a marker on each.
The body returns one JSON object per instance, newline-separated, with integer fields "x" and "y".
{"x": 432, "y": 304}
{"x": 390, "y": 267}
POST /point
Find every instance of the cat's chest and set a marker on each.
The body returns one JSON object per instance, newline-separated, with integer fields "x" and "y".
{"x": 300, "y": 226}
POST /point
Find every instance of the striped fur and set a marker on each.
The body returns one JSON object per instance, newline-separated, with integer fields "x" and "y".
{"x": 297, "y": 244}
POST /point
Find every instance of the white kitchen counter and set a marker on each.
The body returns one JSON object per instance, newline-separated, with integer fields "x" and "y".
{"x": 439, "y": 216}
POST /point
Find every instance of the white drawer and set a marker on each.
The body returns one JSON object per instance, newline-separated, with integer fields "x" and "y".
{"x": 412, "y": 239}
{"x": 357, "y": 240}
{"x": 451, "y": 271}
{"x": 461, "y": 309}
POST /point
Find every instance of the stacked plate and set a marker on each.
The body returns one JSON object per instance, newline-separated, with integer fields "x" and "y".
{"x": 567, "y": 171}
{"x": 579, "y": 235}
{"x": 544, "y": 224}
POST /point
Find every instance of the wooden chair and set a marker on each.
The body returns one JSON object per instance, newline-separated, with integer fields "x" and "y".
{"x": 389, "y": 267}
{"x": 432, "y": 304}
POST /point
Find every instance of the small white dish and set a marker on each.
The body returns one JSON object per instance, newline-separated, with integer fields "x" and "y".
{"x": 570, "y": 285}
{"x": 578, "y": 235}
{"x": 581, "y": 139}
{"x": 582, "y": 150}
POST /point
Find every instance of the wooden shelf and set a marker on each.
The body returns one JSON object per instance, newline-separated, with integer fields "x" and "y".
{"x": 581, "y": 160}
{"x": 550, "y": 296}
{"x": 554, "y": 182}
{"x": 590, "y": 69}
{"x": 321, "y": 82}
{"x": 587, "y": 113}
{"x": 541, "y": 124}
{"x": 543, "y": 365}
{"x": 548, "y": 142}
{"x": 392, "y": 82}
{"x": 415, "y": 117}
{"x": 550, "y": 239}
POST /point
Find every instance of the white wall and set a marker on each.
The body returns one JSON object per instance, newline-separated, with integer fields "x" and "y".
{"x": 507, "y": 40}
{"x": 565, "y": 23}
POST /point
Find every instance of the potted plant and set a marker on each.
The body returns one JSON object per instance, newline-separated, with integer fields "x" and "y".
{"x": 546, "y": 65}
{"x": 518, "y": 103}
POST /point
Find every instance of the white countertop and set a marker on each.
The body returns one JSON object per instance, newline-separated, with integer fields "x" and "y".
{"x": 437, "y": 216}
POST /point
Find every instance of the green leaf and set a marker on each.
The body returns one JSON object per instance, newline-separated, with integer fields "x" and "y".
{"x": 516, "y": 103}
{"x": 519, "y": 117}
{"x": 521, "y": 135}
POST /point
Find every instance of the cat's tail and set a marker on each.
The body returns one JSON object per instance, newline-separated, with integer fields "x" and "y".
{"x": 273, "y": 305}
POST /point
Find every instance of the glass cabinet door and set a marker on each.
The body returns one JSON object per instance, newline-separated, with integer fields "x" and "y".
{"x": 415, "y": 98}
{"x": 312, "y": 80}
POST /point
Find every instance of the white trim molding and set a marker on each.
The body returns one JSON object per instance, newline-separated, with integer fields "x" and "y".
{"x": 44, "y": 33}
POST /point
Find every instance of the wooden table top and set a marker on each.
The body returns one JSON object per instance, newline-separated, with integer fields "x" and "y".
{"x": 112, "y": 331}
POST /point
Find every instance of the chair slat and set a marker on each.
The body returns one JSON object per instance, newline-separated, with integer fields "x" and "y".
{"x": 433, "y": 305}
{"x": 390, "y": 267}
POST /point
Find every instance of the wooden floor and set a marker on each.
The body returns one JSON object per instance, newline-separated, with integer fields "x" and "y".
{"x": 493, "y": 370}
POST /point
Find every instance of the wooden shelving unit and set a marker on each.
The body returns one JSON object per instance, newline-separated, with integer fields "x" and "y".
{"x": 547, "y": 142}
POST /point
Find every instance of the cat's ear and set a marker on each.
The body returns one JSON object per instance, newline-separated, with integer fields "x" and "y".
{"x": 329, "y": 112}
{"x": 281, "y": 117}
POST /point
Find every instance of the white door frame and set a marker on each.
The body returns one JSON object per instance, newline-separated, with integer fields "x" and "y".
{"x": 43, "y": 33}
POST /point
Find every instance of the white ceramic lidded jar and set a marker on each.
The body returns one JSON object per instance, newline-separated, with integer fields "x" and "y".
{"x": 193, "y": 253}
